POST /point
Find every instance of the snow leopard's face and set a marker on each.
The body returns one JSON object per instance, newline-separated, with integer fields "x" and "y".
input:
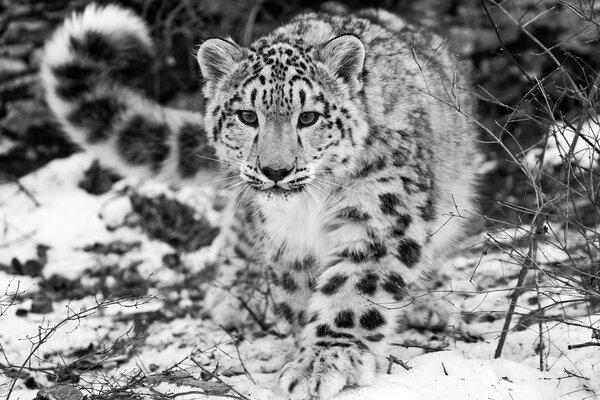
{"x": 282, "y": 115}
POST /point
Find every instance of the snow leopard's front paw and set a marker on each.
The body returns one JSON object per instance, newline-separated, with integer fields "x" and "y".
{"x": 323, "y": 370}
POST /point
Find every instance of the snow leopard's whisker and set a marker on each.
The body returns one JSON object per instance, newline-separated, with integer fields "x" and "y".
{"x": 231, "y": 185}
{"x": 216, "y": 160}
{"x": 307, "y": 200}
{"x": 314, "y": 184}
{"x": 337, "y": 184}
{"x": 222, "y": 179}
{"x": 241, "y": 199}
{"x": 237, "y": 194}
{"x": 235, "y": 160}
{"x": 318, "y": 203}
{"x": 328, "y": 194}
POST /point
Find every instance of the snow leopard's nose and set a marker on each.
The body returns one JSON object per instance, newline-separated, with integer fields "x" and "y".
{"x": 276, "y": 174}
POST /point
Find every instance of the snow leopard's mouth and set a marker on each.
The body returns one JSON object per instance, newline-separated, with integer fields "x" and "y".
{"x": 279, "y": 191}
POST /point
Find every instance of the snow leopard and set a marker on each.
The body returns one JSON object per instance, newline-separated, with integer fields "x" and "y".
{"x": 351, "y": 134}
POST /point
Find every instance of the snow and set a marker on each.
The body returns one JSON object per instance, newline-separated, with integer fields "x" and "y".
{"x": 451, "y": 375}
{"x": 562, "y": 137}
{"x": 472, "y": 283}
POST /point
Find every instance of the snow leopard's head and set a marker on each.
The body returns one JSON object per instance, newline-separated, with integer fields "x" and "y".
{"x": 282, "y": 114}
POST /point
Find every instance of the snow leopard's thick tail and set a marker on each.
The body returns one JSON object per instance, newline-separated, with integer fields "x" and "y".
{"x": 87, "y": 69}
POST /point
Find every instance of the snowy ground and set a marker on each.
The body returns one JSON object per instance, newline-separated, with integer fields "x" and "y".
{"x": 66, "y": 251}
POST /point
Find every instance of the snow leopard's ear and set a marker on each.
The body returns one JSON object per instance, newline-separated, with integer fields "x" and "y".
{"x": 217, "y": 57}
{"x": 345, "y": 55}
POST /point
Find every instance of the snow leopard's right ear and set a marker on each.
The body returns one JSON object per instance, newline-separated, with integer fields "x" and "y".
{"x": 345, "y": 56}
{"x": 217, "y": 57}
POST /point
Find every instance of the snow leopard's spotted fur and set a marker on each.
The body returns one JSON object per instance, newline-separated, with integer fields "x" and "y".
{"x": 362, "y": 208}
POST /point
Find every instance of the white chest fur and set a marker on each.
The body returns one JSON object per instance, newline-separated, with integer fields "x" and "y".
{"x": 297, "y": 223}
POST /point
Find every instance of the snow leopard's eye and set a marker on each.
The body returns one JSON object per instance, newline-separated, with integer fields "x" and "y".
{"x": 307, "y": 119}
{"x": 248, "y": 118}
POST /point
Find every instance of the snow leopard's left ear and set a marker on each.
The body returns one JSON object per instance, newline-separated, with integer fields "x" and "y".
{"x": 345, "y": 56}
{"x": 217, "y": 57}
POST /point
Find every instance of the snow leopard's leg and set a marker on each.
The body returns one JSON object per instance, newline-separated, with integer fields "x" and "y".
{"x": 88, "y": 71}
{"x": 351, "y": 310}
{"x": 239, "y": 294}
{"x": 292, "y": 283}
{"x": 378, "y": 238}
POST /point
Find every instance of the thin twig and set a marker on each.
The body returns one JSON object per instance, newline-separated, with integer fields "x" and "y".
{"x": 502, "y": 44}
{"x": 580, "y": 345}
{"x": 23, "y": 189}
{"x": 395, "y": 360}
{"x": 46, "y": 333}
{"x": 206, "y": 371}
{"x": 237, "y": 349}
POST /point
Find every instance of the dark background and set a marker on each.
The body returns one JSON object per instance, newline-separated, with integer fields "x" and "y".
{"x": 512, "y": 104}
